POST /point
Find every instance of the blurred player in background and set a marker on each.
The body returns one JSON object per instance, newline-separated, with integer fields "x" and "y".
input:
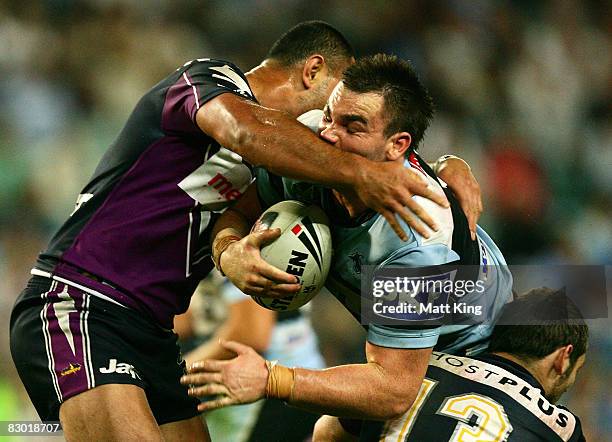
{"x": 536, "y": 351}
{"x": 218, "y": 311}
{"x": 91, "y": 335}
{"x": 379, "y": 110}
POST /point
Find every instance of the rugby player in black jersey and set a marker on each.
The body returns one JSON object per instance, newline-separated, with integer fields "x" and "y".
{"x": 509, "y": 394}
{"x": 91, "y": 335}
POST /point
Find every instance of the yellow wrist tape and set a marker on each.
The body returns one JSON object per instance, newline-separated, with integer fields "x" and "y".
{"x": 219, "y": 247}
{"x": 281, "y": 381}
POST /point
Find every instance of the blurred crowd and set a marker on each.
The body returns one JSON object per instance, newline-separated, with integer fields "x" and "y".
{"x": 523, "y": 92}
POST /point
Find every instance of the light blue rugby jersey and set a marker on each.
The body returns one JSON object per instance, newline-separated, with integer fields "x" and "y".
{"x": 369, "y": 240}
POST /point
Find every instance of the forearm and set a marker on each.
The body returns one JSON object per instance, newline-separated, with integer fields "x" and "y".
{"x": 362, "y": 391}
{"x": 231, "y": 223}
{"x": 384, "y": 388}
{"x": 238, "y": 219}
{"x": 288, "y": 148}
{"x": 279, "y": 143}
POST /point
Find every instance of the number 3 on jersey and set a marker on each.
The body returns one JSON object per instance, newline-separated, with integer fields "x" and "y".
{"x": 480, "y": 418}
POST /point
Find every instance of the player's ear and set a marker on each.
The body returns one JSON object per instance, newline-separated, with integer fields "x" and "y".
{"x": 561, "y": 361}
{"x": 397, "y": 145}
{"x": 313, "y": 70}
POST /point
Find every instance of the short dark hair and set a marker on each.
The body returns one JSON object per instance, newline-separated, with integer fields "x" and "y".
{"x": 311, "y": 37}
{"x": 407, "y": 102}
{"x": 538, "y": 323}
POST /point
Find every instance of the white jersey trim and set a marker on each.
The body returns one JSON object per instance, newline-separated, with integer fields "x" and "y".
{"x": 195, "y": 91}
{"x": 37, "y": 272}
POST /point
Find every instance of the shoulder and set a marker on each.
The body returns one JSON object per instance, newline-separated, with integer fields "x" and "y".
{"x": 416, "y": 252}
{"x": 577, "y": 435}
{"x": 441, "y": 215}
{"x": 215, "y": 64}
{"x": 438, "y": 241}
{"x": 219, "y": 73}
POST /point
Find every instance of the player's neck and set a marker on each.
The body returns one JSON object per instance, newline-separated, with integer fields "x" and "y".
{"x": 531, "y": 368}
{"x": 273, "y": 87}
{"x": 350, "y": 202}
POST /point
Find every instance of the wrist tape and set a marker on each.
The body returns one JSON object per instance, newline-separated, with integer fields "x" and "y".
{"x": 219, "y": 247}
{"x": 281, "y": 381}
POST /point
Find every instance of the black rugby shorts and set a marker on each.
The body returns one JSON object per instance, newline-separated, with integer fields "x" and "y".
{"x": 65, "y": 341}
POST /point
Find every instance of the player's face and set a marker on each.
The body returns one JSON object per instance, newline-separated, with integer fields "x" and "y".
{"x": 354, "y": 122}
{"x": 566, "y": 381}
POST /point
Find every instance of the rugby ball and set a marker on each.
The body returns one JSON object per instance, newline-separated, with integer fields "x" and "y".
{"x": 303, "y": 249}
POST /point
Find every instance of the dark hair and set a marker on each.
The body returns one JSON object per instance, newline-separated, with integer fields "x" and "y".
{"x": 311, "y": 37}
{"x": 407, "y": 102}
{"x": 538, "y": 323}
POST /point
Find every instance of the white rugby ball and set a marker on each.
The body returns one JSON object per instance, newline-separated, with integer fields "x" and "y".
{"x": 303, "y": 249}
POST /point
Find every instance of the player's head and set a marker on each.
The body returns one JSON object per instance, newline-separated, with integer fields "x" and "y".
{"x": 379, "y": 110}
{"x": 545, "y": 331}
{"x": 313, "y": 54}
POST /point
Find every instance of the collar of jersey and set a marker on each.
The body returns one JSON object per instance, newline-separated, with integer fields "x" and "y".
{"x": 512, "y": 367}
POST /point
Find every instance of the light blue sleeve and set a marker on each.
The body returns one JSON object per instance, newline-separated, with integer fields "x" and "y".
{"x": 412, "y": 256}
{"x": 393, "y": 337}
{"x": 421, "y": 256}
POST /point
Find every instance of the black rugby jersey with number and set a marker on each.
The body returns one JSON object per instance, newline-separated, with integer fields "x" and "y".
{"x": 488, "y": 398}
{"x": 139, "y": 234}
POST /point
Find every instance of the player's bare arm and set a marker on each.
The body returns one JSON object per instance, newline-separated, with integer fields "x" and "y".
{"x": 274, "y": 140}
{"x": 364, "y": 391}
{"x": 242, "y": 264}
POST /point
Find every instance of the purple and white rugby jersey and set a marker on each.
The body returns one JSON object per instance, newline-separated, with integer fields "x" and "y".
{"x": 140, "y": 231}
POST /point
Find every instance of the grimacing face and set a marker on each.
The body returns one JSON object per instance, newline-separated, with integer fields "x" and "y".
{"x": 355, "y": 123}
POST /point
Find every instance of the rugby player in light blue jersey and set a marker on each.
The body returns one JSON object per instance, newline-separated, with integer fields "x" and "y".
{"x": 379, "y": 110}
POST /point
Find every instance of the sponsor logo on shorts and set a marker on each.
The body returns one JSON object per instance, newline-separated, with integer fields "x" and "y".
{"x": 71, "y": 369}
{"x": 120, "y": 367}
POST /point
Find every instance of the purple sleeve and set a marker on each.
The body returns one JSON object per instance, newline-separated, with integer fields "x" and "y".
{"x": 200, "y": 81}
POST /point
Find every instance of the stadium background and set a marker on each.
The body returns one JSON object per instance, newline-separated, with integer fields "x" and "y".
{"x": 523, "y": 91}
